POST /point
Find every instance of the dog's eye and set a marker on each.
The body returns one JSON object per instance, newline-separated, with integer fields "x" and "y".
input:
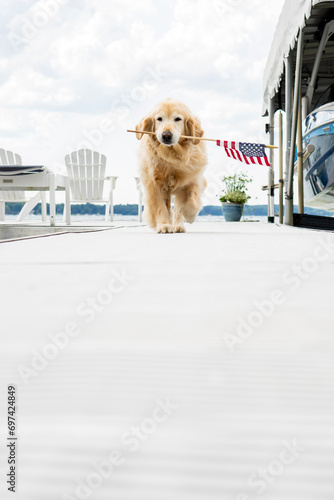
{"x": 178, "y": 119}
{"x": 159, "y": 119}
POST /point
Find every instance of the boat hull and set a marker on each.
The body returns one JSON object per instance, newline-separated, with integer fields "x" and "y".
{"x": 319, "y": 167}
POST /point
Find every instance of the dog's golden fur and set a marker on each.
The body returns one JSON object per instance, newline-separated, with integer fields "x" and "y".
{"x": 171, "y": 165}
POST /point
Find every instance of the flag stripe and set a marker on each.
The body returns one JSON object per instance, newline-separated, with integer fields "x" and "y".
{"x": 242, "y": 157}
{"x": 235, "y": 154}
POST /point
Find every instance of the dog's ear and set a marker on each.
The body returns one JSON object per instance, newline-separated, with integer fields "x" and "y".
{"x": 193, "y": 128}
{"x": 146, "y": 124}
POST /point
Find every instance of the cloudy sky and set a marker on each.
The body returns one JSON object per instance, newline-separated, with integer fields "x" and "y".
{"x": 78, "y": 73}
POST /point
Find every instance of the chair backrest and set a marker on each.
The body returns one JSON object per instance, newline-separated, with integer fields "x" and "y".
{"x": 139, "y": 185}
{"x": 10, "y": 158}
{"x": 86, "y": 170}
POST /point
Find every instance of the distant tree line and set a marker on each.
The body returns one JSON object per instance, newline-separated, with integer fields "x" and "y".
{"x": 13, "y": 208}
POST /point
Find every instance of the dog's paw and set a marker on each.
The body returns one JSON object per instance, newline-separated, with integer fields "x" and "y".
{"x": 164, "y": 228}
{"x": 190, "y": 218}
{"x": 179, "y": 228}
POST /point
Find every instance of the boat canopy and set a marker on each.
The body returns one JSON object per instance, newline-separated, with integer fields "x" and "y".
{"x": 309, "y": 16}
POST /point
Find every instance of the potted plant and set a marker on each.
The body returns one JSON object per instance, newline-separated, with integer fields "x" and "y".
{"x": 234, "y": 195}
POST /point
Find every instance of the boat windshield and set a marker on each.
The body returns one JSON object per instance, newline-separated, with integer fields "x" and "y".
{"x": 326, "y": 97}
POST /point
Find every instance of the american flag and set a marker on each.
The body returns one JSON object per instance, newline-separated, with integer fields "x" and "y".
{"x": 252, "y": 154}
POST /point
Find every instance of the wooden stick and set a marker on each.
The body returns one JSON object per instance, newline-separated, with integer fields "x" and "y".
{"x": 183, "y": 136}
{"x": 188, "y": 137}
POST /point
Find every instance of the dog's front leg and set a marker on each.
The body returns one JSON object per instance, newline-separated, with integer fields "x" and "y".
{"x": 191, "y": 202}
{"x": 178, "y": 226}
{"x": 157, "y": 211}
{"x": 187, "y": 206}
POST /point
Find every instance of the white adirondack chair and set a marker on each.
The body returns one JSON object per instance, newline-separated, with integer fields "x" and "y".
{"x": 140, "y": 201}
{"x": 10, "y": 158}
{"x": 86, "y": 170}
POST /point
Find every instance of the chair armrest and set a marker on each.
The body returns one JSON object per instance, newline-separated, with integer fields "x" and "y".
{"x": 112, "y": 180}
{"x": 139, "y": 185}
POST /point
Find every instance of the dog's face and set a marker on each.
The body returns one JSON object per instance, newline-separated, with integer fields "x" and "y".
{"x": 169, "y": 125}
{"x": 169, "y": 120}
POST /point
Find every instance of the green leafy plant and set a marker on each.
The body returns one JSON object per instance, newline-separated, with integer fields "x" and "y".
{"x": 235, "y": 188}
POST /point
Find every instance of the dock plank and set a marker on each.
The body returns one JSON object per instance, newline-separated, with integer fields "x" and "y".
{"x": 205, "y": 360}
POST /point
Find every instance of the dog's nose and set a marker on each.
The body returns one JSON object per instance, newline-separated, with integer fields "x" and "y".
{"x": 167, "y": 136}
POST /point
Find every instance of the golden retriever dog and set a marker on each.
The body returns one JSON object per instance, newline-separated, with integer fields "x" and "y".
{"x": 171, "y": 166}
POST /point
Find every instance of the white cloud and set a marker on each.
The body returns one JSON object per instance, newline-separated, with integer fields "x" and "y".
{"x": 36, "y": 91}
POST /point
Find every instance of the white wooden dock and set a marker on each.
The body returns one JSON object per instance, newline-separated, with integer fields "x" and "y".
{"x": 200, "y": 365}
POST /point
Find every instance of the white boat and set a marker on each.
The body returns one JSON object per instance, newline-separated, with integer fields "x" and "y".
{"x": 318, "y": 170}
